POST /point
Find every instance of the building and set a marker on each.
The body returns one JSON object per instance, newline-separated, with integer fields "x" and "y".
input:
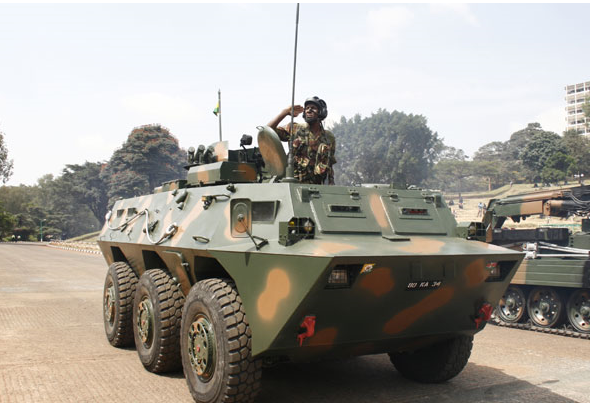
{"x": 575, "y": 96}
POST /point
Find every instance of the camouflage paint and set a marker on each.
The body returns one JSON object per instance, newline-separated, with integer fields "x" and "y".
{"x": 280, "y": 285}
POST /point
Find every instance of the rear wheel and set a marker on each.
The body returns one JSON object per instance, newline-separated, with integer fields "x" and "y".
{"x": 512, "y": 306}
{"x": 436, "y": 363}
{"x": 216, "y": 345}
{"x": 578, "y": 310}
{"x": 157, "y": 315}
{"x": 545, "y": 307}
{"x": 117, "y": 304}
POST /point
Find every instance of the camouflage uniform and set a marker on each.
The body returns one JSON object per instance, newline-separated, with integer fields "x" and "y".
{"x": 314, "y": 156}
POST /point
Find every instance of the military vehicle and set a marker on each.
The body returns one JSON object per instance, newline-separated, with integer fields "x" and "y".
{"x": 230, "y": 269}
{"x": 551, "y": 288}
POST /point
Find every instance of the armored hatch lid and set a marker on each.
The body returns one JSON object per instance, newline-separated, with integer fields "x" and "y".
{"x": 272, "y": 151}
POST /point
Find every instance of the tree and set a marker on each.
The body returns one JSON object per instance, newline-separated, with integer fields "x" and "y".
{"x": 578, "y": 147}
{"x": 586, "y": 108}
{"x": 385, "y": 148}
{"x": 84, "y": 184}
{"x": 519, "y": 140}
{"x": 448, "y": 152}
{"x": 498, "y": 161}
{"x": 541, "y": 146}
{"x": 450, "y": 174}
{"x": 557, "y": 167}
{"x": 7, "y": 222}
{"x": 64, "y": 214}
{"x": 149, "y": 157}
{"x": 5, "y": 163}
{"x": 493, "y": 151}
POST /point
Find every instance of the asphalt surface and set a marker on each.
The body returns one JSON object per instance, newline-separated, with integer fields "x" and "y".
{"x": 53, "y": 349}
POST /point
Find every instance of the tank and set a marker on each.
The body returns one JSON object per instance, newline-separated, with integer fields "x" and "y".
{"x": 232, "y": 269}
{"x": 551, "y": 288}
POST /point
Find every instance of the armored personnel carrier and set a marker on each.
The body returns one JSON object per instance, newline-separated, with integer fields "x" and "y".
{"x": 230, "y": 268}
{"x": 552, "y": 286}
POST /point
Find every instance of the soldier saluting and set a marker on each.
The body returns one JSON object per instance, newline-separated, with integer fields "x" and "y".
{"x": 313, "y": 146}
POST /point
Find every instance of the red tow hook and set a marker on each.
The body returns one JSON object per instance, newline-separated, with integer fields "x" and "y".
{"x": 483, "y": 314}
{"x": 308, "y": 327}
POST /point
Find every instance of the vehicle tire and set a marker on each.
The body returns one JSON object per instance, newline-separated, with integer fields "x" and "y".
{"x": 157, "y": 314}
{"x": 216, "y": 345}
{"x": 578, "y": 310}
{"x": 436, "y": 363}
{"x": 545, "y": 307}
{"x": 512, "y": 306}
{"x": 117, "y": 304}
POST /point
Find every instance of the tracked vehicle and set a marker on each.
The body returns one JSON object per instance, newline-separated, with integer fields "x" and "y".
{"x": 231, "y": 268}
{"x": 551, "y": 289}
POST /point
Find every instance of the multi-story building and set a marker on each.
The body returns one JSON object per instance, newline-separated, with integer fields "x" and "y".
{"x": 575, "y": 96}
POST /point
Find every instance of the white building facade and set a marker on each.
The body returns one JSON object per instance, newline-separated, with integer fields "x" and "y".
{"x": 575, "y": 96}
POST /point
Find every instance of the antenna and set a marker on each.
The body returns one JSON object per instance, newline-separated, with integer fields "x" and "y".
{"x": 290, "y": 171}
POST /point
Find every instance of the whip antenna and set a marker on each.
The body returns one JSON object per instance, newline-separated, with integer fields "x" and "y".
{"x": 290, "y": 171}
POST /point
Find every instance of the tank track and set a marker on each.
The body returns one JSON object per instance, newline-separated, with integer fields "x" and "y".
{"x": 564, "y": 330}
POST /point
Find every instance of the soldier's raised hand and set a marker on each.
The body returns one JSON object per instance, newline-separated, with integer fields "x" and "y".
{"x": 297, "y": 109}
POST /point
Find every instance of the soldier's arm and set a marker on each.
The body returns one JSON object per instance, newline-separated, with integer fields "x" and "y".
{"x": 332, "y": 160}
{"x": 274, "y": 124}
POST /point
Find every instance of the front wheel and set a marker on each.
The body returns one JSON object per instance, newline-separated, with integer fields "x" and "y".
{"x": 117, "y": 304}
{"x": 436, "y": 363}
{"x": 215, "y": 345}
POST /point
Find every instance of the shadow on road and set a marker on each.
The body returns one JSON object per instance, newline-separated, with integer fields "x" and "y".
{"x": 374, "y": 379}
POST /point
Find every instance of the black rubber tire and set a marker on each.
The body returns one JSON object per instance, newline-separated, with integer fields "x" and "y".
{"x": 236, "y": 375}
{"x": 436, "y": 363}
{"x": 119, "y": 328}
{"x": 161, "y": 353}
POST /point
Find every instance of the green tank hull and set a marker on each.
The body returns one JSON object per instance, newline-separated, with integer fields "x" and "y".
{"x": 551, "y": 288}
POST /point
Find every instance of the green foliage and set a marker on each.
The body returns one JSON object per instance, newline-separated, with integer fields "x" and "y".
{"x": 65, "y": 216}
{"x": 85, "y": 186}
{"x": 586, "y": 108}
{"x": 450, "y": 174}
{"x": 149, "y": 157}
{"x": 552, "y": 175}
{"x": 5, "y": 163}
{"x": 541, "y": 146}
{"x": 520, "y": 139}
{"x": 75, "y": 202}
{"x": 578, "y": 147}
{"x": 557, "y": 167}
{"x": 7, "y": 222}
{"x": 498, "y": 161}
{"x": 385, "y": 148}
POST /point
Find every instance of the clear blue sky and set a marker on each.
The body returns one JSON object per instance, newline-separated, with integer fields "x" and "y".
{"x": 76, "y": 78}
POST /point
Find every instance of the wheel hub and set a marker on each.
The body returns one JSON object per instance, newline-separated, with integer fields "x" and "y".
{"x": 145, "y": 320}
{"x": 511, "y": 306}
{"x": 109, "y": 304}
{"x": 545, "y": 307}
{"x": 201, "y": 347}
{"x": 578, "y": 310}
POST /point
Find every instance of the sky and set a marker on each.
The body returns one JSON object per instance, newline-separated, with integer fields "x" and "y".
{"x": 75, "y": 79}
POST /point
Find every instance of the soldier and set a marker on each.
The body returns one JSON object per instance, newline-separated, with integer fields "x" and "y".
{"x": 313, "y": 146}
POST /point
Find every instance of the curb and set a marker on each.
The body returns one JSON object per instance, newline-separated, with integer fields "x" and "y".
{"x": 62, "y": 245}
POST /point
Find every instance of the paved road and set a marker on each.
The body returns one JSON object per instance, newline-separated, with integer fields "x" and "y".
{"x": 53, "y": 349}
